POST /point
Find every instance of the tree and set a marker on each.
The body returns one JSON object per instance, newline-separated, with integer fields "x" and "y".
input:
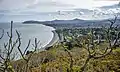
{"x": 93, "y": 51}
{"x": 5, "y": 63}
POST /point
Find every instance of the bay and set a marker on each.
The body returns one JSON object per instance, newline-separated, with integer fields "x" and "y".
{"x": 27, "y": 32}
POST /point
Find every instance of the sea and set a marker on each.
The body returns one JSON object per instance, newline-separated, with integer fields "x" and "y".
{"x": 27, "y": 32}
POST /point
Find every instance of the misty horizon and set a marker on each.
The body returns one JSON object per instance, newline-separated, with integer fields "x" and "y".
{"x": 43, "y": 10}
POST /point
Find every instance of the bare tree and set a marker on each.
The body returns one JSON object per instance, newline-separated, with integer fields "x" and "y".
{"x": 93, "y": 52}
{"x": 71, "y": 58}
{"x": 2, "y": 34}
{"x": 27, "y": 59}
{"x": 9, "y": 51}
{"x": 8, "y": 46}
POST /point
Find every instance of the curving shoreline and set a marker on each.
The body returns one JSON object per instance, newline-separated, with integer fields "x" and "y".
{"x": 54, "y": 40}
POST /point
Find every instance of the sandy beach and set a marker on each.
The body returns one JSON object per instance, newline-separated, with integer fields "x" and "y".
{"x": 54, "y": 40}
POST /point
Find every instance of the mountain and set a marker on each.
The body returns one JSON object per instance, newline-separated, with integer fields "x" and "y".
{"x": 31, "y": 22}
{"x": 74, "y": 23}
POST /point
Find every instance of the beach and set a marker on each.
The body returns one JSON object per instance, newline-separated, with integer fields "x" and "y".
{"x": 43, "y": 33}
{"x": 54, "y": 40}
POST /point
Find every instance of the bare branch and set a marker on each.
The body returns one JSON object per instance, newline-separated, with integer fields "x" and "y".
{"x": 2, "y": 34}
{"x": 71, "y": 59}
{"x": 8, "y": 34}
{"x": 27, "y": 47}
{"x": 19, "y": 44}
{"x": 2, "y": 57}
{"x": 108, "y": 50}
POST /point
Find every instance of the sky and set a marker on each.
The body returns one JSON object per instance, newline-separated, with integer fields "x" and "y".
{"x": 45, "y": 5}
{"x": 20, "y": 10}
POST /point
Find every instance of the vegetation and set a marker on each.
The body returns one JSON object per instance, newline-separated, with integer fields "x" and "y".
{"x": 80, "y": 50}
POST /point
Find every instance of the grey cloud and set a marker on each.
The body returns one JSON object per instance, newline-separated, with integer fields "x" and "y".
{"x": 34, "y": 5}
{"x": 11, "y": 4}
{"x": 112, "y": 6}
{"x": 50, "y": 4}
{"x": 1, "y": 1}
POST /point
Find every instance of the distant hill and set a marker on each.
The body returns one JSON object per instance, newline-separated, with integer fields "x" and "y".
{"x": 73, "y": 23}
{"x": 31, "y": 21}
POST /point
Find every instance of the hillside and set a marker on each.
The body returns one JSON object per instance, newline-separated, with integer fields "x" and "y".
{"x": 74, "y": 23}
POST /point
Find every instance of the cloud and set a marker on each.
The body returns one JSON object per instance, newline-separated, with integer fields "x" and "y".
{"x": 51, "y": 4}
{"x": 48, "y": 6}
{"x": 22, "y": 4}
{"x": 106, "y": 0}
{"x": 12, "y": 4}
